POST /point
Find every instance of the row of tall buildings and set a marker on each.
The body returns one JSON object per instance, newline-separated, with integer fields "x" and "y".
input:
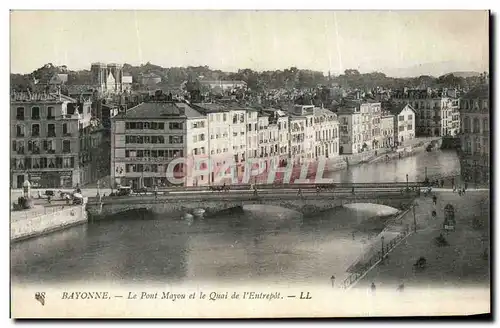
{"x": 62, "y": 141}
{"x": 146, "y": 138}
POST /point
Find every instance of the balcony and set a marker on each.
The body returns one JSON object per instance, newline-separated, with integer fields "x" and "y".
{"x": 19, "y": 134}
{"x": 51, "y": 151}
{"x": 67, "y": 134}
{"x": 35, "y": 151}
{"x": 35, "y": 134}
{"x": 20, "y": 151}
{"x": 20, "y": 118}
{"x": 35, "y": 117}
{"x": 51, "y": 134}
{"x": 51, "y": 117}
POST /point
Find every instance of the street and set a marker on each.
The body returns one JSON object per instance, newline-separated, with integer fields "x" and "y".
{"x": 461, "y": 264}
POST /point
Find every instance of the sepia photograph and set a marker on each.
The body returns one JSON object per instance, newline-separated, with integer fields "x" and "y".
{"x": 249, "y": 163}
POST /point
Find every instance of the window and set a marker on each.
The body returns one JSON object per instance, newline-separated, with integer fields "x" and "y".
{"x": 35, "y": 130}
{"x": 401, "y": 128}
{"x": 224, "y": 117}
{"x": 410, "y": 117}
{"x": 467, "y": 124}
{"x": 401, "y": 117}
{"x": 202, "y": 137}
{"x": 35, "y": 113}
{"x": 34, "y": 146}
{"x": 50, "y": 113}
{"x": 175, "y": 126}
{"x": 51, "y": 130}
{"x": 409, "y": 127}
{"x": 65, "y": 129}
{"x": 66, "y": 146}
{"x": 486, "y": 126}
{"x": 176, "y": 139}
{"x": 195, "y": 138}
{"x": 19, "y": 130}
{"x": 476, "y": 125}
{"x": 20, "y": 113}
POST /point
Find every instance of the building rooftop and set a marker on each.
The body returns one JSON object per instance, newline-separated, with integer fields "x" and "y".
{"x": 39, "y": 97}
{"x": 479, "y": 92}
{"x": 211, "y": 107}
{"x": 348, "y": 110}
{"x": 395, "y": 109}
{"x": 222, "y": 82}
{"x": 161, "y": 110}
{"x": 322, "y": 111}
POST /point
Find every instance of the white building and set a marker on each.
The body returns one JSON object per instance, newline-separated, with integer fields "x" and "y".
{"x": 297, "y": 138}
{"x": 308, "y": 147}
{"x": 326, "y": 126}
{"x": 252, "y": 134}
{"x": 404, "y": 123}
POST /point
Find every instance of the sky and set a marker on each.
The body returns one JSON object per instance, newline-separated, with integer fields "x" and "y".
{"x": 261, "y": 40}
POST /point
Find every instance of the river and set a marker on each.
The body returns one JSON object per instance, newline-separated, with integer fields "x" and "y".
{"x": 272, "y": 247}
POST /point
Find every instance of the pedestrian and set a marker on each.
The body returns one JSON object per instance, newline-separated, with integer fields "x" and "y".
{"x": 299, "y": 192}
{"x": 373, "y": 287}
{"x": 459, "y": 191}
{"x": 465, "y": 186}
{"x": 332, "y": 279}
{"x": 442, "y": 183}
{"x": 434, "y": 199}
{"x": 463, "y": 190}
{"x": 453, "y": 183}
{"x": 454, "y": 188}
{"x": 352, "y": 191}
{"x": 401, "y": 287}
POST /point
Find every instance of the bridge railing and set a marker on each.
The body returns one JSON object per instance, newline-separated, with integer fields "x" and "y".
{"x": 300, "y": 185}
{"x": 307, "y": 194}
{"x": 373, "y": 260}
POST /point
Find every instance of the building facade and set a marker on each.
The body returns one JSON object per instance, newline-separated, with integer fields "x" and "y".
{"x": 475, "y": 136}
{"x": 404, "y": 124}
{"x": 297, "y": 139}
{"x": 437, "y": 114}
{"x": 149, "y": 137}
{"x": 50, "y": 133}
{"x": 350, "y": 130}
{"x": 326, "y": 126}
{"x": 387, "y": 130}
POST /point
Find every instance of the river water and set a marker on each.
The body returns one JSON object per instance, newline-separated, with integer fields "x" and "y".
{"x": 272, "y": 246}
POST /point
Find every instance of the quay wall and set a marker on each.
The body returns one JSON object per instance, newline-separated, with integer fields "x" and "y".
{"x": 34, "y": 226}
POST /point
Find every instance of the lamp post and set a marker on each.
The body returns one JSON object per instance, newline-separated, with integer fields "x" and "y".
{"x": 382, "y": 238}
{"x": 407, "y": 187}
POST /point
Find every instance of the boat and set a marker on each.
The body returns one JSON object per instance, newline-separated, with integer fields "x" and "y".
{"x": 187, "y": 216}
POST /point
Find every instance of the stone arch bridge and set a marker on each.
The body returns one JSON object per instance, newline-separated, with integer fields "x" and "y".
{"x": 306, "y": 203}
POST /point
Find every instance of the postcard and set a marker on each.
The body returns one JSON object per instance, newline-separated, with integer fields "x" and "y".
{"x": 249, "y": 164}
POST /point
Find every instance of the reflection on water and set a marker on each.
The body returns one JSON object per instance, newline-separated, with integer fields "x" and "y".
{"x": 259, "y": 245}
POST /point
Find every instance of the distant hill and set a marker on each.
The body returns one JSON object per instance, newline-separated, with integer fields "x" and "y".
{"x": 436, "y": 69}
{"x": 465, "y": 74}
